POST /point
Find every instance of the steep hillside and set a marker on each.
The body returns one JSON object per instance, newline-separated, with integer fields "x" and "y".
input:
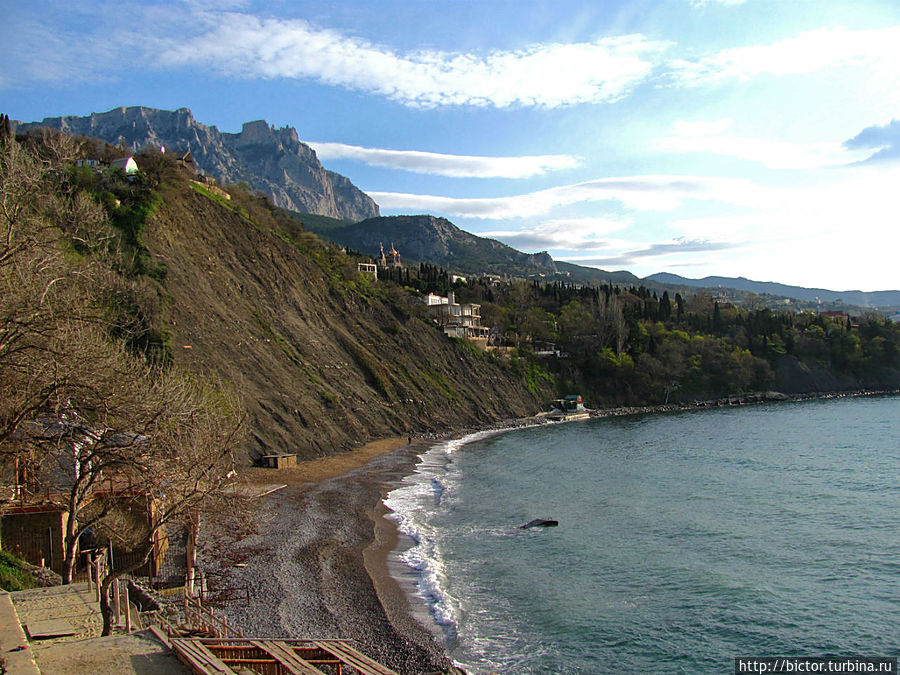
{"x": 268, "y": 159}
{"x": 325, "y": 359}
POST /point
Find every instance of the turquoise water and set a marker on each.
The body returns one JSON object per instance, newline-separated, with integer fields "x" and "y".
{"x": 684, "y": 539}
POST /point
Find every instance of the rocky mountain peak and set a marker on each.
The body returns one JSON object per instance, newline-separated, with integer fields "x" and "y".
{"x": 271, "y": 160}
{"x": 257, "y": 131}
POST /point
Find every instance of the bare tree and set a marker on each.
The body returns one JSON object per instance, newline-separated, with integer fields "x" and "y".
{"x": 182, "y": 466}
{"x": 45, "y": 290}
{"x": 115, "y": 441}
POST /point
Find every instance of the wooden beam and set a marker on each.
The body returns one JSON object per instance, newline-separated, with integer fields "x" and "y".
{"x": 354, "y": 658}
{"x": 292, "y": 663}
{"x": 198, "y": 658}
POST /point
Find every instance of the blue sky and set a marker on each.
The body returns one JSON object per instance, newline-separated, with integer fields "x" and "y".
{"x": 748, "y": 138}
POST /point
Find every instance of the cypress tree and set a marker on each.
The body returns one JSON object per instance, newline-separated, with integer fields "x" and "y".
{"x": 5, "y": 128}
{"x": 665, "y": 307}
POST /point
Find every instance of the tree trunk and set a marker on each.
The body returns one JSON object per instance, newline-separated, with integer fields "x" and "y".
{"x": 106, "y": 609}
{"x": 71, "y": 544}
{"x": 69, "y": 564}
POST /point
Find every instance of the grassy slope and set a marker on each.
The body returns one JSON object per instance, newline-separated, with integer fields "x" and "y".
{"x": 14, "y": 575}
{"x": 323, "y": 361}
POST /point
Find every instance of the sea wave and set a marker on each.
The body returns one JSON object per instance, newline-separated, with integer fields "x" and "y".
{"x": 415, "y": 505}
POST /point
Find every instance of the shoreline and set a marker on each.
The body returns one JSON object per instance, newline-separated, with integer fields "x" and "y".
{"x": 316, "y": 565}
{"x": 320, "y": 563}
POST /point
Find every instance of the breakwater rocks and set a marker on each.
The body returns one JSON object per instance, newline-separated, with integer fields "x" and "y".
{"x": 755, "y": 398}
{"x": 500, "y": 425}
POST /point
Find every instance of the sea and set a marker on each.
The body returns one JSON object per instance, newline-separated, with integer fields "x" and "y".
{"x": 684, "y": 539}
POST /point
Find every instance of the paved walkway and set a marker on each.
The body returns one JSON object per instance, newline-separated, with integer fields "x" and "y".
{"x": 15, "y": 661}
{"x": 73, "y": 604}
{"x": 74, "y": 607}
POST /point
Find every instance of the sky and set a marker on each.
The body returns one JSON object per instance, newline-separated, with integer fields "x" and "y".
{"x": 755, "y": 138}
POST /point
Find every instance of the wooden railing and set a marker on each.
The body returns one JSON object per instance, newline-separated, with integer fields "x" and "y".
{"x": 204, "y": 619}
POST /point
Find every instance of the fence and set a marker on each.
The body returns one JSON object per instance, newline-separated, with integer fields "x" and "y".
{"x": 45, "y": 547}
{"x": 203, "y": 619}
{"x": 42, "y": 547}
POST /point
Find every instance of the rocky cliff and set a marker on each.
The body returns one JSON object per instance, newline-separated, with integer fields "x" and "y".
{"x": 271, "y": 160}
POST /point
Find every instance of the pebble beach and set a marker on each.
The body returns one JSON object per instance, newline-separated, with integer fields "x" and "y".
{"x": 316, "y": 565}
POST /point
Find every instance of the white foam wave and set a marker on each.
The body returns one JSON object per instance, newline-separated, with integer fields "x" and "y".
{"x": 415, "y": 505}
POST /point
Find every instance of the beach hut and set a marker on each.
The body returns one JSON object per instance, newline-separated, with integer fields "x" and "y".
{"x": 280, "y": 461}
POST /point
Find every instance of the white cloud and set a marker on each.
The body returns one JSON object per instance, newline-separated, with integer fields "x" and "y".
{"x": 563, "y": 233}
{"x": 703, "y": 3}
{"x": 544, "y": 75}
{"x": 838, "y": 233}
{"x": 641, "y": 193}
{"x": 806, "y": 53}
{"x": 456, "y": 166}
{"x": 626, "y": 253}
{"x": 710, "y": 137}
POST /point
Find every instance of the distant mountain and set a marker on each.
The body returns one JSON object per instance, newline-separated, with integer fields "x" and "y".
{"x": 874, "y": 299}
{"x": 271, "y": 160}
{"x": 438, "y": 241}
{"x": 591, "y": 274}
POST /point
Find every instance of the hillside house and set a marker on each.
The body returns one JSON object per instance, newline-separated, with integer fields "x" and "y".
{"x": 368, "y": 269}
{"x": 35, "y": 512}
{"x": 458, "y": 320}
{"x": 127, "y": 164}
{"x": 186, "y": 161}
{"x": 36, "y": 532}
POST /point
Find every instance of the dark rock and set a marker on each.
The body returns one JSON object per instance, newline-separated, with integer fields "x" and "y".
{"x": 539, "y": 522}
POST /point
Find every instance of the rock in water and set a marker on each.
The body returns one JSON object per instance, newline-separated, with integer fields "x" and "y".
{"x": 539, "y": 522}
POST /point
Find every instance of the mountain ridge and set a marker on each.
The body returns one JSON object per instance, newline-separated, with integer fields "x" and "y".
{"x": 287, "y": 170}
{"x": 436, "y": 240}
{"x": 874, "y": 299}
{"x": 271, "y": 160}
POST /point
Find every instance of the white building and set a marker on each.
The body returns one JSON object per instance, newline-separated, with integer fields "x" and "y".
{"x": 127, "y": 164}
{"x": 457, "y": 320}
{"x": 368, "y": 269}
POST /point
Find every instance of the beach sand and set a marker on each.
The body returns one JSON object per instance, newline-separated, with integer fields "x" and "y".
{"x": 316, "y": 566}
